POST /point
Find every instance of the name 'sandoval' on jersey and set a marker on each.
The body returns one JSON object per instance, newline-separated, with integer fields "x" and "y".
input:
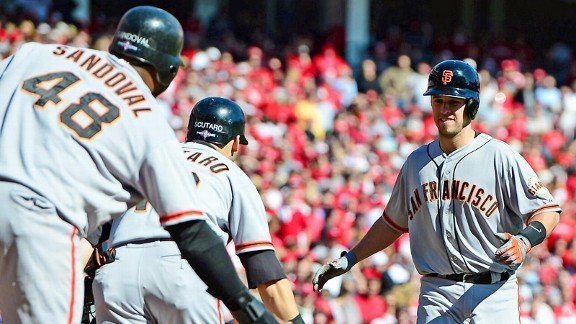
{"x": 80, "y": 128}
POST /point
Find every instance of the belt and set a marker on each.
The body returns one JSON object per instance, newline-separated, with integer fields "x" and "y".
{"x": 143, "y": 241}
{"x": 484, "y": 278}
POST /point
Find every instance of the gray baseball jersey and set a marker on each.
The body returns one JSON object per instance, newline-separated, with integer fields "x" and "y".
{"x": 80, "y": 139}
{"x": 236, "y": 212}
{"x": 82, "y": 129}
{"x": 453, "y": 204}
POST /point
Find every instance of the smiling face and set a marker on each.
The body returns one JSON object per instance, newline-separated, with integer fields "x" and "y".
{"x": 449, "y": 115}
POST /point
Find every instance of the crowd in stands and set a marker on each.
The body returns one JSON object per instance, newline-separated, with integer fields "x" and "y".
{"x": 327, "y": 141}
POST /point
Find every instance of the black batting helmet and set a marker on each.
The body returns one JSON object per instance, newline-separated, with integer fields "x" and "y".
{"x": 216, "y": 120}
{"x": 153, "y": 37}
{"x": 457, "y": 79}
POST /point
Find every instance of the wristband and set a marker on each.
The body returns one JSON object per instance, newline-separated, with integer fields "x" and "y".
{"x": 297, "y": 320}
{"x": 351, "y": 258}
{"x": 535, "y": 233}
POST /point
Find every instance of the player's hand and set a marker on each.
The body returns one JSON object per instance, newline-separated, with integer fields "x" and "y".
{"x": 514, "y": 250}
{"x": 331, "y": 270}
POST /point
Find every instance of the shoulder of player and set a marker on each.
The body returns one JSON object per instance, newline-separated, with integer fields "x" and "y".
{"x": 203, "y": 154}
{"x": 420, "y": 151}
{"x": 497, "y": 145}
{"x": 492, "y": 149}
{"x": 36, "y": 48}
{"x": 57, "y": 49}
{"x": 116, "y": 76}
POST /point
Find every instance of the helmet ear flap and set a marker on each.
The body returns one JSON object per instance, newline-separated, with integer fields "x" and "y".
{"x": 472, "y": 108}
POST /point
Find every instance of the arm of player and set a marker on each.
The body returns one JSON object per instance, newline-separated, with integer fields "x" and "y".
{"x": 278, "y": 297}
{"x": 549, "y": 220}
{"x": 264, "y": 271}
{"x": 86, "y": 250}
{"x": 204, "y": 250}
{"x": 379, "y": 236}
{"x": 515, "y": 247}
{"x": 164, "y": 181}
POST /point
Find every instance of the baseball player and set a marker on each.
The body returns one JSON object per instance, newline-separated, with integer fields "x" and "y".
{"x": 82, "y": 141}
{"x": 473, "y": 207}
{"x": 148, "y": 281}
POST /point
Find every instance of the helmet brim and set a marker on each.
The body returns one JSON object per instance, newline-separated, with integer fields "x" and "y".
{"x": 450, "y": 92}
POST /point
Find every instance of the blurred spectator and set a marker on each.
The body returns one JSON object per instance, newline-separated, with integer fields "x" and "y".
{"x": 367, "y": 79}
{"x": 328, "y": 148}
{"x": 548, "y": 95}
{"x": 328, "y": 63}
{"x": 380, "y": 56}
{"x": 418, "y": 83}
{"x": 394, "y": 81}
{"x": 370, "y": 303}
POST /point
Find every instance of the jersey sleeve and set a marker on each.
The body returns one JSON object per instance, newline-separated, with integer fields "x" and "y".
{"x": 248, "y": 222}
{"x": 395, "y": 214}
{"x": 165, "y": 183}
{"x": 526, "y": 194}
{"x": 4, "y": 65}
{"x": 261, "y": 267}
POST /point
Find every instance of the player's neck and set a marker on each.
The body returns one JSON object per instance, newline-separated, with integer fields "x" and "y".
{"x": 451, "y": 144}
{"x": 146, "y": 77}
{"x": 226, "y": 150}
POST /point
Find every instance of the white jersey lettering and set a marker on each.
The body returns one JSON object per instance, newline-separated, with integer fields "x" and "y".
{"x": 135, "y": 38}
{"x": 210, "y": 126}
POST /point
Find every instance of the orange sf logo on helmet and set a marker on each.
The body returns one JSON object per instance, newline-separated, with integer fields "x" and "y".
{"x": 447, "y": 76}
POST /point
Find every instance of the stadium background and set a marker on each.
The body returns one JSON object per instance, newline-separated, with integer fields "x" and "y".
{"x": 332, "y": 90}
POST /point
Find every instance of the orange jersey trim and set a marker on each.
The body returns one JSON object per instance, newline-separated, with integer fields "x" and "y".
{"x": 244, "y": 246}
{"x": 518, "y": 298}
{"x": 219, "y": 310}
{"x": 73, "y": 278}
{"x": 543, "y": 209}
{"x": 392, "y": 224}
{"x": 174, "y": 216}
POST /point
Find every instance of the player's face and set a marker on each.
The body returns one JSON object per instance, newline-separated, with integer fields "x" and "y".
{"x": 449, "y": 115}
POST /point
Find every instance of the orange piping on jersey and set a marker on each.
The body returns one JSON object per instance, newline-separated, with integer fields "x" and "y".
{"x": 543, "y": 209}
{"x": 171, "y": 217}
{"x": 73, "y": 279}
{"x": 392, "y": 224}
{"x": 518, "y": 296}
{"x": 252, "y": 244}
{"x": 219, "y": 309}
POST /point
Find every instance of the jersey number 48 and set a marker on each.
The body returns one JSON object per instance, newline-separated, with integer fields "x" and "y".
{"x": 86, "y": 117}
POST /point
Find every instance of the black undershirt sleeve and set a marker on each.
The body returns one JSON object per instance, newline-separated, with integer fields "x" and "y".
{"x": 261, "y": 267}
{"x": 535, "y": 232}
{"x": 204, "y": 250}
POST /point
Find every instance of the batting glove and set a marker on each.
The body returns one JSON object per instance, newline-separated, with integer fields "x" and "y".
{"x": 514, "y": 250}
{"x": 333, "y": 269}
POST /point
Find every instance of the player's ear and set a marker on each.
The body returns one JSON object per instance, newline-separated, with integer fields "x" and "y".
{"x": 236, "y": 144}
